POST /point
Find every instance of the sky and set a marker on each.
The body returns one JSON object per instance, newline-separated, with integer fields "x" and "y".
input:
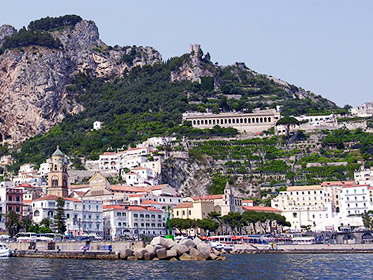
{"x": 325, "y": 46}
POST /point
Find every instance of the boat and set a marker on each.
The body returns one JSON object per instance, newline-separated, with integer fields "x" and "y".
{"x": 4, "y": 250}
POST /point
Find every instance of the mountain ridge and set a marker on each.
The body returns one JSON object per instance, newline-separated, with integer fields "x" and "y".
{"x": 86, "y": 80}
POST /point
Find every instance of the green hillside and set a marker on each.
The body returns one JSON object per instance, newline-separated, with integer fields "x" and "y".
{"x": 145, "y": 103}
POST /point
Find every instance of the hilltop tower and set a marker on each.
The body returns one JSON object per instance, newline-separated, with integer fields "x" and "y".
{"x": 58, "y": 177}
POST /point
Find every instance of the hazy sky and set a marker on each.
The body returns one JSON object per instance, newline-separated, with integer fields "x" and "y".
{"x": 325, "y": 46}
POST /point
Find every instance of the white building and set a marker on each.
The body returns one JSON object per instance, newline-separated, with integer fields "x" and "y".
{"x": 97, "y": 125}
{"x": 365, "y": 110}
{"x": 318, "y": 120}
{"x": 255, "y": 122}
{"x": 44, "y": 169}
{"x": 133, "y": 221}
{"x": 306, "y": 206}
{"x": 108, "y": 161}
{"x": 364, "y": 176}
{"x": 82, "y": 217}
{"x": 141, "y": 176}
{"x": 157, "y": 141}
{"x": 131, "y": 161}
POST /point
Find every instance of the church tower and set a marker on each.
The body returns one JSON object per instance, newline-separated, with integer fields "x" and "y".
{"x": 58, "y": 177}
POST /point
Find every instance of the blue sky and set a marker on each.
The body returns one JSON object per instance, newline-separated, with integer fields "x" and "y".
{"x": 325, "y": 46}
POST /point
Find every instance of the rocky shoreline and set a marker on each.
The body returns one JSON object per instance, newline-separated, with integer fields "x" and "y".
{"x": 158, "y": 249}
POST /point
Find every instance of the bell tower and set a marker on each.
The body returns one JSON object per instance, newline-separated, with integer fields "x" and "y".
{"x": 58, "y": 177}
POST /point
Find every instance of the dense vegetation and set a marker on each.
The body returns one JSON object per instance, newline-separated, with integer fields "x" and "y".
{"x": 25, "y": 38}
{"x": 141, "y": 105}
{"x": 234, "y": 223}
{"x": 270, "y": 161}
{"x": 50, "y": 23}
{"x": 145, "y": 103}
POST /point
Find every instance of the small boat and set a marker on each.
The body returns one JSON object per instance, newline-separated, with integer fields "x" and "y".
{"x": 4, "y": 250}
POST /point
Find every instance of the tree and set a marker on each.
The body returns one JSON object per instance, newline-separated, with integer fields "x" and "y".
{"x": 287, "y": 122}
{"x": 13, "y": 224}
{"x": 182, "y": 224}
{"x": 251, "y": 217}
{"x": 215, "y": 216}
{"x": 59, "y": 218}
{"x": 367, "y": 220}
{"x": 207, "y": 225}
{"x": 46, "y": 222}
{"x": 234, "y": 221}
{"x": 26, "y": 223}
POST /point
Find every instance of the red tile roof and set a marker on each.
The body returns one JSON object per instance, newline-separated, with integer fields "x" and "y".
{"x": 115, "y": 207}
{"x": 55, "y": 197}
{"x": 208, "y": 197}
{"x": 337, "y": 183}
{"x": 129, "y": 189}
{"x": 354, "y": 186}
{"x": 139, "y": 168}
{"x": 184, "y": 205}
{"x": 150, "y": 202}
{"x": 109, "y": 154}
{"x": 131, "y": 208}
{"x": 260, "y": 209}
{"x": 247, "y": 201}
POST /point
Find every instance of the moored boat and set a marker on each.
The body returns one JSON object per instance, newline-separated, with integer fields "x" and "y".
{"x": 4, "y": 250}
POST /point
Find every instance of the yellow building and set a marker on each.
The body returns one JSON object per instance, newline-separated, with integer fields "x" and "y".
{"x": 195, "y": 210}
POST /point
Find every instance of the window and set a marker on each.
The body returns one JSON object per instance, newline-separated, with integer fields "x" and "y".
{"x": 153, "y": 216}
{"x": 147, "y": 216}
{"x": 135, "y": 215}
{"x": 36, "y": 213}
{"x": 295, "y": 215}
{"x": 141, "y": 215}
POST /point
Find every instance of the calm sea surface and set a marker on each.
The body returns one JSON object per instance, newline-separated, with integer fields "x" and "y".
{"x": 329, "y": 266}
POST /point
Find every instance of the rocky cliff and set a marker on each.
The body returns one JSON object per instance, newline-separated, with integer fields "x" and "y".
{"x": 33, "y": 79}
{"x": 190, "y": 176}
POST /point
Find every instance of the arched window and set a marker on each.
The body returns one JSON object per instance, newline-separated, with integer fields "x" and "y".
{"x": 241, "y": 120}
{"x": 229, "y": 120}
{"x": 253, "y": 120}
{"x": 249, "y": 120}
{"x": 233, "y": 120}
{"x": 209, "y": 121}
{"x": 36, "y": 213}
{"x": 265, "y": 119}
{"x": 54, "y": 181}
{"x": 257, "y": 120}
{"x": 194, "y": 122}
{"x": 50, "y": 214}
{"x": 198, "y": 122}
{"x": 269, "y": 119}
{"x": 213, "y": 122}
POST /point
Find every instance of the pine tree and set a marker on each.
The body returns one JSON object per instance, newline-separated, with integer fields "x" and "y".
{"x": 59, "y": 218}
